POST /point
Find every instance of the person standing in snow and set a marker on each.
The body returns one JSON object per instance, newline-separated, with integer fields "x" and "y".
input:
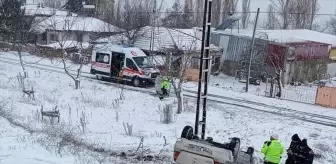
{"x": 306, "y": 154}
{"x": 272, "y": 150}
{"x": 164, "y": 87}
{"x": 293, "y": 150}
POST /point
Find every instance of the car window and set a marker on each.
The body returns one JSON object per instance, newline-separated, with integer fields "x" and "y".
{"x": 130, "y": 64}
{"x": 103, "y": 58}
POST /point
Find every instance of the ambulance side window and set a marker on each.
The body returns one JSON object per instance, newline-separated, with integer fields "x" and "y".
{"x": 130, "y": 64}
{"x": 103, "y": 58}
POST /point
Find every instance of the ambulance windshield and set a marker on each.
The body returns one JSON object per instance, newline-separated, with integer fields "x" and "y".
{"x": 143, "y": 62}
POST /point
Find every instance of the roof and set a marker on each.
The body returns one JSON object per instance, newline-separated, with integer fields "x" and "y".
{"x": 35, "y": 9}
{"x": 75, "y": 23}
{"x": 109, "y": 47}
{"x": 285, "y": 36}
{"x": 164, "y": 38}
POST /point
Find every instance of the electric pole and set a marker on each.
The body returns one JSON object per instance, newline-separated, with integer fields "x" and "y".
{"x": 251, "y": 51}
{"x": 205, "y": 60}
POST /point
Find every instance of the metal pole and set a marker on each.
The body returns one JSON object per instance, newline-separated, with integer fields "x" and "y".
{"x": 201, "y": 68}
{"x": 207, "y": 69}
{"x": 251, "y": 51}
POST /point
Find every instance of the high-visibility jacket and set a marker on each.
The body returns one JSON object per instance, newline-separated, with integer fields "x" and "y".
{"x": 165, "y": 84}
{"x": 272, "y": 150}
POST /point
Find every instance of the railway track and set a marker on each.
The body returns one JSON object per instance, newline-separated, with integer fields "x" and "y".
{"x": 247, "y": 104}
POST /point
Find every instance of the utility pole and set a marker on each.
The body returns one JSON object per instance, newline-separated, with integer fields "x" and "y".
{"x": 251, "y": 51}
{"x": 205, "y": 59}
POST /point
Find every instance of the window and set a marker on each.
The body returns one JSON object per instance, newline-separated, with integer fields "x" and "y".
{"x": 53, "y": 37}
{"x": 103, "y": 58}
{"x": 130, "y": 64}
{"x": 143, "y": 62}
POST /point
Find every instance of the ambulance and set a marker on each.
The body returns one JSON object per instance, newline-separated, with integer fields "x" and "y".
{"x": 111, "y": 61}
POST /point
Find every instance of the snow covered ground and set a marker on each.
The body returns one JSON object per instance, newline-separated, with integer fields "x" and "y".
{"x": 95, "y": 114}
{"x": 16, "y": 146}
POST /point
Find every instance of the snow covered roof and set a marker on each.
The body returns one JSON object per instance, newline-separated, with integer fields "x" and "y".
{"x": 75, "y": 23}
{"x": 68, "y": 44}
{"x": 35, "y": 9}
{"x": 285, "y": 36}
{"x": 164, "y": 38}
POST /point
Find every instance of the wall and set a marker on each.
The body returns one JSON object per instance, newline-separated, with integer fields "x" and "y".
{"x": 331, "y": 69}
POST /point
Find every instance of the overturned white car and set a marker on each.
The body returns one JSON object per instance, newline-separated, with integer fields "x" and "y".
{"x": 189, "y": 149}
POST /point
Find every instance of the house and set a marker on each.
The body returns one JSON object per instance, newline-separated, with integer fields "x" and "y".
{"x": 76, "y": 28}
{"x": 295, "y": 48}
{"x": 158, "y": 41}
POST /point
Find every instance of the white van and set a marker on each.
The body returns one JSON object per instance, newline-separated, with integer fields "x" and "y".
{"x": 124, "y": 63}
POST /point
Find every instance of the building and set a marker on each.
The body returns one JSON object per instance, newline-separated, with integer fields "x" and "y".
{"x": 75, "y": 28}
{"x": 300, "y": 54}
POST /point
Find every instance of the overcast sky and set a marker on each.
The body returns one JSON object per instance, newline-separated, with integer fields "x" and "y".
{"x": 326, "y": 7}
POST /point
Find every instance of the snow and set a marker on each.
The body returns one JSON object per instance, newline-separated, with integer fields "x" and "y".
{"x": 16, "y": 146}
{"x": 164, "y": 38}
{"x": 75, "y": 23}
{"x": 68, "y": 44}
{"x": 105, "y": 111}
{"x": 285, "y": 36}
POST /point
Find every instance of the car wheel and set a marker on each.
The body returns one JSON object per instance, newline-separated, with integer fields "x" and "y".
{"x": 136, "y": 82}
{"x": 99, "y": 77}
{"x": 235, "y": 145}
{"x": 187, "y": 132}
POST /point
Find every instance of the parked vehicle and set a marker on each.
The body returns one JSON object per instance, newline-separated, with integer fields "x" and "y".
{"x": 123, "y": 63}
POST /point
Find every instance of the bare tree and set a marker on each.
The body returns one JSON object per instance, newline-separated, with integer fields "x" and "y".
{"x": 14, "y": 27}
{"x": 332, "y": 25}
{"x": 229, "y": 7}
{"x": 69, "y": 27}
{"x": 133, "y": 17}
{"x": 283, "y": 7}
{"x": 298, "y": 13}
{"x": 216, "y": 12}
{"x": 180, "y": 58}
{"x": 315, "y": 7}
{"x": 271, "y": 19}
{"x": 105, "y": 10}
{"x": 245, "y": 13}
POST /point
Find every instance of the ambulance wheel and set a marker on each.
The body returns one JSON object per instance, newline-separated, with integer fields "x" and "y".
{"x": 136, "y": 81}
{"x": 235, "y": 146}
{"x": 187, "y": 132}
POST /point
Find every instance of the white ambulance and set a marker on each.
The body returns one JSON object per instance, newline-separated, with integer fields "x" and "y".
{"x": 111, "y": 61}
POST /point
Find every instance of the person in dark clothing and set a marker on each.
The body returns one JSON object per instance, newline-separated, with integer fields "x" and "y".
{"x": 293, "y": 150}
{"x": 306, "y": 154}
